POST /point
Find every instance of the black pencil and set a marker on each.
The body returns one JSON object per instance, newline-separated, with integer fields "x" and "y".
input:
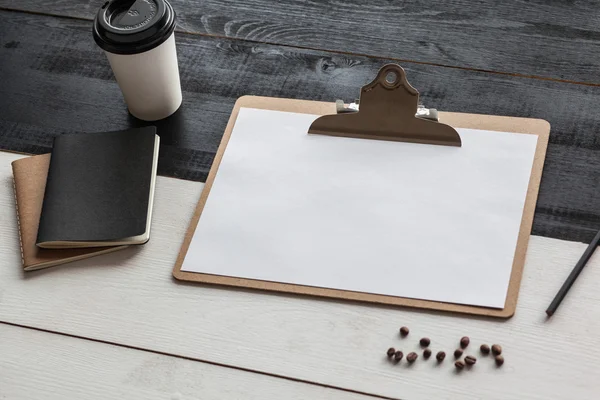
{"x": 573, "y": 275}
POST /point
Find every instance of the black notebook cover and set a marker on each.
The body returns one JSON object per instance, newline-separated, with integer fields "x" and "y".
{"x": 99, "y": 187}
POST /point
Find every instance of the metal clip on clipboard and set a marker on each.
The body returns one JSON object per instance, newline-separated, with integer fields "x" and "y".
{"x": 422, "y": 112}
{"x": 388, "y": 109}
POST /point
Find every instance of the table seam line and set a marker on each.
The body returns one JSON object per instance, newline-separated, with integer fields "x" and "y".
{"x": 213, "y": 363}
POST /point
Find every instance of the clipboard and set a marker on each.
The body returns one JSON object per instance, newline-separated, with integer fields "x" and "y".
{"x": 397, "y": 93}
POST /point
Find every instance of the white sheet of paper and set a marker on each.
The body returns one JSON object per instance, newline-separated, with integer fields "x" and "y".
{"x": 420, "y": 221}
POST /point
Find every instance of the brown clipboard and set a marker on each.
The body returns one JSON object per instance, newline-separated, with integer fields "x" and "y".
{"x": 530, "y": 126}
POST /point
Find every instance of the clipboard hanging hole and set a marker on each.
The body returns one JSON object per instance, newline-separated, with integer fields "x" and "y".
{"x": 391, "y": 78}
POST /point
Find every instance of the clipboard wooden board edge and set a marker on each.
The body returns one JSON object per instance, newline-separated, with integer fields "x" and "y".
{"x": 538, "y": 127}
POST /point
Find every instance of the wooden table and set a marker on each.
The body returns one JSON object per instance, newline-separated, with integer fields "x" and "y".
{"x": 119, "y": 326}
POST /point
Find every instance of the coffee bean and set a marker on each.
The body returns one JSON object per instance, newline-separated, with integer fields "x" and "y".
{"x": 470, "y": 360}
{"x": 426, "y": 353}
{"x": 464, "y": 341}
{"x": 459, "y": 365}
{"x": 404, "y": 331}
{"x": 499, "y": 360}
{"x": 425, "y": 342}
{"x": 440, "y": 356}
{"x": 391, "y": 352}
{"x": 458, "y": 353}
{"x": 496, "y": 349}
{"x": 398, "y": 356}
{"x": 412, "y": 357}
{"x": 485, "y": 349}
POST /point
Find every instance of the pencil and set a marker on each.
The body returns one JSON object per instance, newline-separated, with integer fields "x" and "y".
{"x": 573, "y": 275}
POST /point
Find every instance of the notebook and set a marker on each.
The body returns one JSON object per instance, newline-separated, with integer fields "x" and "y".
{"x": 100, "y": 189}
{"x": 29, "y": 175}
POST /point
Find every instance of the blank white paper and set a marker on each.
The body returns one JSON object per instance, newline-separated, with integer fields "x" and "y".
{"x": 420, "y": 221}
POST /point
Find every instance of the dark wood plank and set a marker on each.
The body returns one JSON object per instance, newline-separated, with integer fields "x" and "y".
{"x": 554, "y": 39}
{"x": 55, "y": 80}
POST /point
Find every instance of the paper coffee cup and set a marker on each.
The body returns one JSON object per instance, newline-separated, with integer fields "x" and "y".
{"x": 139, "y": 40}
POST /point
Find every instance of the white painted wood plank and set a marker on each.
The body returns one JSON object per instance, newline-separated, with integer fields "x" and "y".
{"x": 41, "y": 365}
{"x": 131, "y": 298}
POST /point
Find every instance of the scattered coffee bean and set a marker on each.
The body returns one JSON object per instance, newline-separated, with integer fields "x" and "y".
{"x": 496, "y": 349}
{"x": 425, "y": 342}
{"x": 499, "y": 360}
{"x": 485, "y": 349}
{"x": 458, "y": 353}
{"x": 440, "y": 356}
{"x": 464, "y": 341}
{"x": 412, "y": 357}
{"x": 391, "y": 352}
{"x": 459, "y": 365}
{"x": 398, "y": 356}
{"x": 404, "y": 331}
{"x": 470, "y": 360}
{"x": 426, "y": 353}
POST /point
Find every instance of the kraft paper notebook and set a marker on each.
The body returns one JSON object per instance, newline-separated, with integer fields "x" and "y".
{"x": 376, "y": 206}
{"x": 29, "y": 176}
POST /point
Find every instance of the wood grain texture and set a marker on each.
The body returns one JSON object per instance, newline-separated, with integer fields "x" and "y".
{"x": 130, "y": 298}
{"x": 558, "y": 39}
{"x": 55, "y": 80}
{"x": 41, "y": 365}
